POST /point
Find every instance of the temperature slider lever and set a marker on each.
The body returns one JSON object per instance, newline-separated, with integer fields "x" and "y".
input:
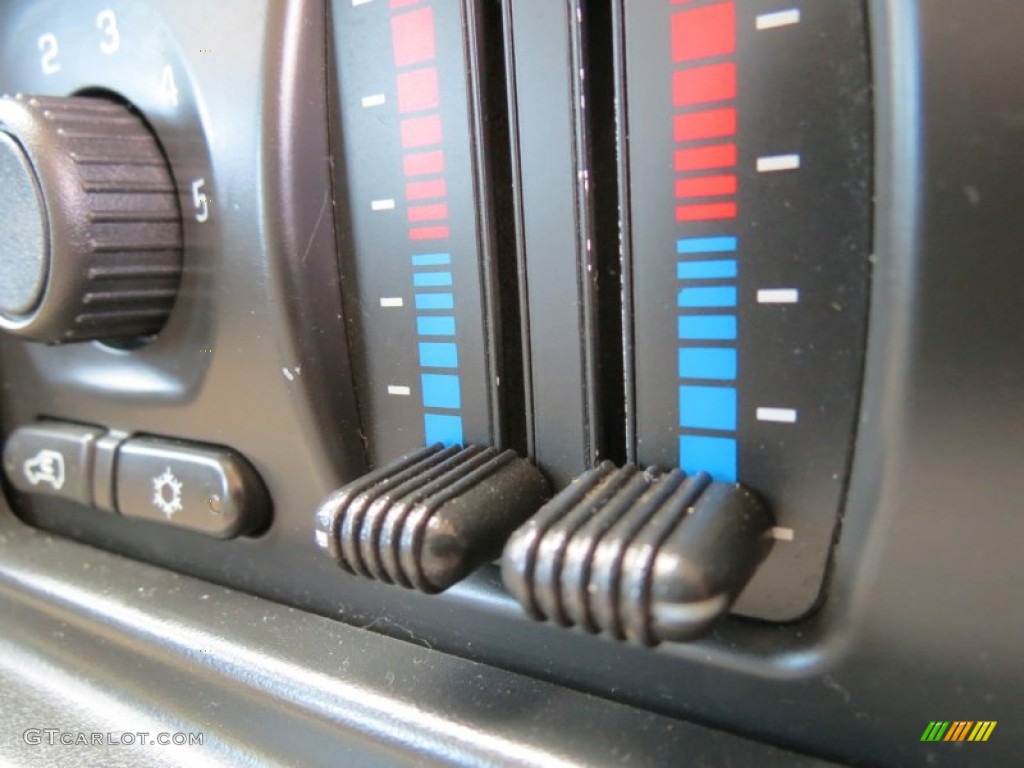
{"x": 643, "y": 555}
{"x": 430, "y": 518}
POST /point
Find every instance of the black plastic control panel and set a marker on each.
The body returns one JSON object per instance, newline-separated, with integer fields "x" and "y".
{"x": 627, "y": 263}
{"x": 559, "y": 310}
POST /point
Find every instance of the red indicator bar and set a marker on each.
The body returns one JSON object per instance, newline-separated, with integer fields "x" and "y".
{"x": 426, "y": 190}
{"x": 417, "y": 90}
{"x": 428, "y": 233}
{"x": 702, "y": 85}
{"x": 706, "y": 186}
{"x": 403, "y": 3}
{"x": 704, "y": 32}
{"x": 707, "y": 124}
{"x": 421, "y": 131}
{"x": 423, "y": 163}
{"x": 706, "y": 212}
{"x": 701, "y": 158}
{"x": 437, "y": 212}
{"x": 412, "y": 37}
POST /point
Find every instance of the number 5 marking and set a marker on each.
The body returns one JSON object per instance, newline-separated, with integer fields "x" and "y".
{"x": 48, "y": 45}
{"x": 199, "y": 200}
{"x": 106, "y": 22}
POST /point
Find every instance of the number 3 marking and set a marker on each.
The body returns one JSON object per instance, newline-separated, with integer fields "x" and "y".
{"x": 48, "y": 45}
{"x": 199, "y": 200}
{"x": 106, "y": 23}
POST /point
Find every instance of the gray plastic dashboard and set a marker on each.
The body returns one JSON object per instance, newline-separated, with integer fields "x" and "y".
{"x": 922, "y": 620}
{"x": 96, "y": 644}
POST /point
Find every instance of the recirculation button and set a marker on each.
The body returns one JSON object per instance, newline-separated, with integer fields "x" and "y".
{"x": 52, "y": 459}
{"x": 205, "y": 488}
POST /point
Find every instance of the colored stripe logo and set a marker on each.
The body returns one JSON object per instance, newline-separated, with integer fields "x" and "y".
{"x": 958, "y": 730}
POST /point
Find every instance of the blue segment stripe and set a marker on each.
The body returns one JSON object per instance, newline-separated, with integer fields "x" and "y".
{"x": 706, "y": 270}
{"x": 707, "y": 407}
{"x": 436, "y": 354}
{"x": 431, "y": 279}
{"x": 718, "y": 296}
{"x": 442, "y": 428}
{"x": 707, "y": 327}
{"x": 431, "y": 259}
{"x": 441, "y": 325}
{"x": 435, "y": 301}
{"x": 707, "y": 363}
{"x": 441, "y": 390}
{"x": 714, "y": 455}
{"x": 706, "y": 245}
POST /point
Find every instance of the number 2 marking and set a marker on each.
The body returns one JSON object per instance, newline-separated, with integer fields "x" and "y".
{"x": 48, "y": 45}
{"x": 106, "y": 22}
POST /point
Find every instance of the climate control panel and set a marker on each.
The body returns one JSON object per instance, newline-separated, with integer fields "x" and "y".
{"x": 559, "y": 307}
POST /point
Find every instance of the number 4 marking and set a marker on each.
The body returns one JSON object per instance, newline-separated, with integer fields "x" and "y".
{"x": 169, "y": 88}
{"x": 199, "y": 200}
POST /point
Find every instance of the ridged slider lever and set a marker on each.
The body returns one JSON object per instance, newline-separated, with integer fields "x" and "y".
{"x": 430, "y": 518}
{"x": 643, "y": 555}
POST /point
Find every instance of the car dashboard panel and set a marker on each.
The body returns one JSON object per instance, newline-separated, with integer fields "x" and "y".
{"x": 655, "y": 362}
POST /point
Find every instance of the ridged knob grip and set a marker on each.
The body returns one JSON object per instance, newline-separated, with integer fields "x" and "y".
{"x": 90, "y": 227}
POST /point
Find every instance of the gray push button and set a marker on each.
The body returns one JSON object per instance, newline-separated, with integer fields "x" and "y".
{"x": 201, "y": 487}
{"x": 52, "y": 459}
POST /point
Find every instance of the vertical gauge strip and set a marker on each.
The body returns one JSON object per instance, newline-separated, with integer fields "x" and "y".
{"x": 421, "y": 128}
{"x": 746, "y": 149}
{"x": 703, "y": 50}
{"x": 414, "y": 259}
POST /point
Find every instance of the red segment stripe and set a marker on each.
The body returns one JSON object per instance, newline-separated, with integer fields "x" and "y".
{"x": 421, "y": 131}
{"x": 711, "y": 212}
{"x": 701, "y": 33}
{"x": 423, "y": 163}
{"x": 418, "y": 90}
{"x": 438, "y": 212}
{"x": 428, "y": 233}
{"x": 426, "y": 190}
{"x": 702, "y": 85}
{"x": 701, "y": 158}
{"x": 706, "y": 186}
{"x": 412, "y": 37}
{"x": 707, "y": 124}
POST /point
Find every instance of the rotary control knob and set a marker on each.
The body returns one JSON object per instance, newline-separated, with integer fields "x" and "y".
{"x": 90, "y": 227}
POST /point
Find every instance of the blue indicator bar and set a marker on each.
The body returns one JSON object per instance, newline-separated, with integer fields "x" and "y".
{"x": 435, "y": 301}
{"x": 706, "y": 245}
{"x": 706, "y": 270}
{"x": 442, "y": 325}
{"x": 442, "y": 428}
{"x": 714, "y": 455}
{"x": 719, "y": 296}
{"x": 707, "y": 363}
{"x": 431, "y": 259}
{"x": 707, "y": 407}
{"x": 431, "y": 279}
{"x": 441, "y": 390}
{"x": 707, "y": 327}
{"x": 438, "y": 354}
